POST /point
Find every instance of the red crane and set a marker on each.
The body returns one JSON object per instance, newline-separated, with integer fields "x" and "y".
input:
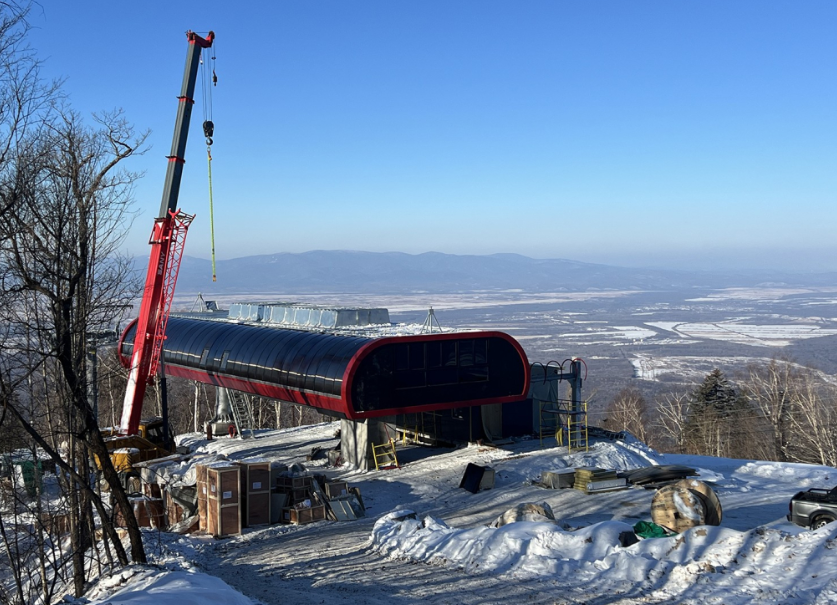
{"x": 167, "y": 240}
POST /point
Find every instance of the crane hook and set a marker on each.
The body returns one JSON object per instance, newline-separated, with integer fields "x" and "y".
{"x": 208, "y": 131}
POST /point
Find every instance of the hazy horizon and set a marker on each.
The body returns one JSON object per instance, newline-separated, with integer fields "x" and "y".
{"x": 715, "y": 261}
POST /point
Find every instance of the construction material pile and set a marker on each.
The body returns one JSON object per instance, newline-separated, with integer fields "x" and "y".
{"x": 591, "y": 479}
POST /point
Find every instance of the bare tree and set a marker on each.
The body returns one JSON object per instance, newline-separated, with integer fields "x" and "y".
{"x": 813, "y": 422}
{"x": 67, "y": 203}
{"x": 673, "y": 412}
{"x": 628, "y": 411}
{"x": 770, "y": 389}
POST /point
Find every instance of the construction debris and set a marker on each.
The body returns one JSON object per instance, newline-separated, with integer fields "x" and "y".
{"x": 527, "y": 511}
{"x": 558, "y": 479}
{"x": 591, "y": 479}
{"x": 653, "y": 477}
{"x": 477, "y": 478}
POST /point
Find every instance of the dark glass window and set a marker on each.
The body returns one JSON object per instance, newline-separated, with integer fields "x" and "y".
{"x": 440, "y": 376}
{"x": 406, "y": 379}
{"x": 473, "y": 374}
{"x": 481, "y": 351}
{"x": 416, "y": 355}
{"x": 466, "y": 353}
{"x": 402, "y": 357}
{"x": 449, "y": 353}
{"x": 434, "y": 355}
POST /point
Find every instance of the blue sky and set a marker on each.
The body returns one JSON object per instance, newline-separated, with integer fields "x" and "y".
{"x": 674, "y": 134}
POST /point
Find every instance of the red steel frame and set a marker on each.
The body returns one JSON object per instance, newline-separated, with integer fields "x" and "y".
{"x": 167, "y": 243}
{"x": 180, "y": 225}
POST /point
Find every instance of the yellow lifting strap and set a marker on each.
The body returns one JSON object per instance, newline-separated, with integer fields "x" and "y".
{"x": 211, "y": 214}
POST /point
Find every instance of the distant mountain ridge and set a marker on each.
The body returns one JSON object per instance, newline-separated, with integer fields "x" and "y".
{"x": 354, "y": 271}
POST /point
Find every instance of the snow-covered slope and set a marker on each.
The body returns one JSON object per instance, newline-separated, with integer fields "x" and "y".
{"x": 448, "y": 554}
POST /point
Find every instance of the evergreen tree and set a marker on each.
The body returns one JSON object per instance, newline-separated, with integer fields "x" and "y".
{"x": 716, "y": 393}
{"x": 715, "y": 423}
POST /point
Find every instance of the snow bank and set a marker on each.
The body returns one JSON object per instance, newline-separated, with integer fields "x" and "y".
{"x": 798, "y": 474}
{"x": 524, "y": 549}
{"x": 619, "y": 455}
{"x": 738, "y": 563}
{"x": 162, "y": 587}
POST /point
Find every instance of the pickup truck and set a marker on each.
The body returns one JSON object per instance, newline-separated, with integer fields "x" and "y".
{"x": 814, "y": 508}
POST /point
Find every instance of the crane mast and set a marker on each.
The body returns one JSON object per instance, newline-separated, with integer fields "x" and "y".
{"x": 167, "y": 240}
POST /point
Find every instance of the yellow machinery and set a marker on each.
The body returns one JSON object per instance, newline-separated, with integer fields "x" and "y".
{"x": 149, "y": 443}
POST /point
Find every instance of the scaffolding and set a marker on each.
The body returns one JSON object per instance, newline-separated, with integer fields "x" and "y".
{"x": 419, "y": 428}
{"x": 563, "y": 419}
{"x": 568, "y": 426}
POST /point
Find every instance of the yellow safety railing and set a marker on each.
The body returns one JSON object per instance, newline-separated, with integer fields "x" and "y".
{"x": 552, "y": 424}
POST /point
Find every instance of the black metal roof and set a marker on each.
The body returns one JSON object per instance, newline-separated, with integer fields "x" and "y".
{"x": 296, "y": 359}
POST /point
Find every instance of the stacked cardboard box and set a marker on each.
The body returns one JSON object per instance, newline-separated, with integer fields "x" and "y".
{"x": 593, "y": 479}
{"x": 223, "y": 502}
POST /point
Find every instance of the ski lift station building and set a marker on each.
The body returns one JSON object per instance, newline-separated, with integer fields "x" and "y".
{"x": 344, "y": 362}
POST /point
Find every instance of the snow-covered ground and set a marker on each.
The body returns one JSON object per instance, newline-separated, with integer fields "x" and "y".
{"x": 695, "y": 368}
{"x": 757, "y": 335}
{"x": 445, "y": 552}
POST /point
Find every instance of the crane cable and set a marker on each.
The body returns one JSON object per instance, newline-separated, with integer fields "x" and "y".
{"x": 208, "y": 132}
{"x": 211, "y": 214}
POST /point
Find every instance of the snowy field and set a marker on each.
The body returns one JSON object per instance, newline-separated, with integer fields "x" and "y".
{"x": 419, "y": 302}
{"x": 754, "y": 317}
{"x": 757, "y": 335}
{"x": 446, "y": 553}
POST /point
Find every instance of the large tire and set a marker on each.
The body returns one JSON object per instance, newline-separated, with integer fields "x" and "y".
{"x": 822, "y": 520}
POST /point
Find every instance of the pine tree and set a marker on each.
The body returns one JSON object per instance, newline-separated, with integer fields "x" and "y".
{"x": 716, "y": 393}
{"x": 715, "y": 419}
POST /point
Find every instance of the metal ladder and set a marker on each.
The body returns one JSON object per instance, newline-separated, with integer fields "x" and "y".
{"x": 242, "y": 412}
{"x": 384, "y": 455}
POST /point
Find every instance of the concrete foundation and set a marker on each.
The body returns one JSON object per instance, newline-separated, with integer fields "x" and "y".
{"x": 357, "y": 437}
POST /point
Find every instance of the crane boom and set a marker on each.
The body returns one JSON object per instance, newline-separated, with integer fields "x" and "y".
{"x": 167, "y": 241}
